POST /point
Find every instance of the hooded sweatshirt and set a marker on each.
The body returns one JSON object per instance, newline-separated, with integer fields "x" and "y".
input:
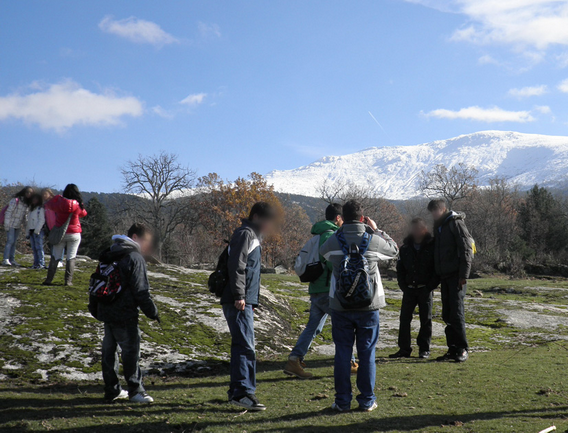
{"x": 323, "y": 229}
{"x": 381, "y": 247}
{"x": 453, "y": 251}
{"x": 415, "y": 267}
{"x": 135, "y": 293}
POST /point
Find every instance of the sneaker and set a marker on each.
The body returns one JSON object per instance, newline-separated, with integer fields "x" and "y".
{"x": 6, "y": 263}
{"x": 448, "y": 356}
{"x": 249, "y": 402}
{"x": 354, "y": 367}
{"x": 15, "y": 264}
{"x": 294, "y": 368}
{"x": 141, "y": 397}
{"x": 122, "y": 395}
{"x": 462, "y": 355}
{"x": 424, "y": 354}
{"x": 335, "y": 407}
{"x": 400, "y": 354}
{"x": 369, "y": 408}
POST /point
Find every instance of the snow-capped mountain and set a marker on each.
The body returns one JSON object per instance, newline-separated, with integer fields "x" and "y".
{"x": 524, "y": 159}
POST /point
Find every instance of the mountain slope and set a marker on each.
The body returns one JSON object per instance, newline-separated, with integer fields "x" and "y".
{"x": 524, "y": 159}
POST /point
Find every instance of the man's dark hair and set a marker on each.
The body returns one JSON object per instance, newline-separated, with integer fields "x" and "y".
{"x": 437, "y": 203}
{"x": 139, "y": 230}
{"x": 352, "y": 211}
{"x": 263, "y": 211}
{"x": 333, "y": 211}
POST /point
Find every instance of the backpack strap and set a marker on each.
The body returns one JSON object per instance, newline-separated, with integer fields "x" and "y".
{"x": 342, "y": 242}
{"x": 365, "y": 242}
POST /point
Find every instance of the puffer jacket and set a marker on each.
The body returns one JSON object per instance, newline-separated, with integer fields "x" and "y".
{"x": 323, "y": 229}
{"x": 62, "y": 208}
{"x": 16, "y": 214}
{"x": 453, "y": 252}
{"x": 36, "y": 220}
{"x": 245, "y": 256}
{"x": 135, "y": 293}
{"x": 415, "y": 267}
{"x": 381, "y": 247}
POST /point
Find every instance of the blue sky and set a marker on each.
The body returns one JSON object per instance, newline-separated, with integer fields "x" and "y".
{"x": 240, "y": 86}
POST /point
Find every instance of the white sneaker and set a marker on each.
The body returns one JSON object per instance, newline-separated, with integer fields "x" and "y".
{"x": 60, "y": 265}
{"x": 370, "y": 408}
{"x": 141, "y": 397}
{"x": 6, "y": 263}
{"x": 122, "y": 396}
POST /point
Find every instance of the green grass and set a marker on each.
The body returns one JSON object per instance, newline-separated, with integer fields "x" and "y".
{"x": 498, "y": 391}
{"x": 514, "y": 381}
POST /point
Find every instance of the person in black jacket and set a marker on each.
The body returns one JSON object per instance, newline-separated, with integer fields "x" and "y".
{"x": 417, "y": 279}
{"x": 239, "y": 299}
{"x": 453, "y": 256}
{"x": 121, "y": 315}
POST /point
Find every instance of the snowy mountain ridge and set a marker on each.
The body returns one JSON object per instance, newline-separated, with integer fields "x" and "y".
{"x": 524, "y": 159}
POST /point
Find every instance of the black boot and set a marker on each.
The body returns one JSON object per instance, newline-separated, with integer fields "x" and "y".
{"x": 401, "y": 354}
{"x": 69, "y": 271}
{"x": 51, "y": 271}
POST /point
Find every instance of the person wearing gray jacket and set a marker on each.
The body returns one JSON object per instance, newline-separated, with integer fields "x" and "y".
{"x": 360, "y": 325}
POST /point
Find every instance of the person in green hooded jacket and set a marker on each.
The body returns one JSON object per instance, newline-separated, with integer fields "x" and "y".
{"x": 319, "y": 296}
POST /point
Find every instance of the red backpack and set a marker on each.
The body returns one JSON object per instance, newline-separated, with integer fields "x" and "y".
{"x": 106, "y": 283}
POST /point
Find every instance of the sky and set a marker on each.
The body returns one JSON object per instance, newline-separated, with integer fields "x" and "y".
{"x": 236, "y": 86}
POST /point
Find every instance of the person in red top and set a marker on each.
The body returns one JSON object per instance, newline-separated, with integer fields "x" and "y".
{"x": 68, "y": 207}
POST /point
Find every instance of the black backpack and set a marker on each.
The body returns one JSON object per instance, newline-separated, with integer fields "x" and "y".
{"x": 354, "y": 288}
{"x": 219, "y": 279}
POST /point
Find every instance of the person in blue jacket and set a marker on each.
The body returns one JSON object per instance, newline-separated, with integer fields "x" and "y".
{"x": 239, "y": 299}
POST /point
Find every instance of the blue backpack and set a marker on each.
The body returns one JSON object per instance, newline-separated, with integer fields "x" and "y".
{"x": 354, "y": 288}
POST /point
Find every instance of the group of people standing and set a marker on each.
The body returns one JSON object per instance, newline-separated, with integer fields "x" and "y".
{"x": 425, "y": 261}
{"x": 39, "y": 213}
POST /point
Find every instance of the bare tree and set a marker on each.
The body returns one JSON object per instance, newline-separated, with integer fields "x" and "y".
{"x": 452, "y": 184}
{"x": 162, "y": 181}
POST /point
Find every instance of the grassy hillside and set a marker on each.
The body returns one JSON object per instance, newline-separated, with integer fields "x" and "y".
{"x": 50, "y": 380}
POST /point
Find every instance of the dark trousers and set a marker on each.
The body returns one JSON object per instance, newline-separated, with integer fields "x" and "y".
{"x": 127, "y": 336}
{"x": 243, "y": 356}
{"x": 453, "y": 313}
{"x": 410, "y": 299}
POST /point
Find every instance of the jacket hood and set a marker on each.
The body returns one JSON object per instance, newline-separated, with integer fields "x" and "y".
{"x": 121, "y": 245}
{"x": 409, "y": 240}
{"x": 356, "y": 227}
{"x": 323, "y": 226}
{"x": 248, "y": 223}
{"x": 449, "y": 216}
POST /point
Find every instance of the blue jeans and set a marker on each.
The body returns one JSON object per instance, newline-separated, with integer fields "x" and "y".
{"x": 37, "y": 248}
{"x": 319, "y": 310}
{"x": 10, "y": 248}
{"x": 361, "y": 327}
{"x": 127, "y": 336}
{"x": 243, "y": 356}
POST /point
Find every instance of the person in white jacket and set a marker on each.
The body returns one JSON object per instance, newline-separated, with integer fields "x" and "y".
{"x": 15, "y": 216}
{"x": 36, "y": 222}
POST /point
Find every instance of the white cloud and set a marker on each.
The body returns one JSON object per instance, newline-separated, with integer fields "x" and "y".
{"x": 526, "y": 92}
{"x": 544, "y": 109}
{"x": 487, "y": 60}
{"x": 137, "y": 30}
{"x": 162, "y": 112}
{"x": 563, "y": 86}
{"x": 489, "y": 115}
{"x": 208, "y": 30}
{"x": 66, "y": 104}
{"x": 521, "y": 23}
{"x": 194, "y": 99}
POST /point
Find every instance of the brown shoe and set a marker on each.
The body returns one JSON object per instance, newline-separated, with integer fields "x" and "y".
{"x": 354, "y": 367}
{"x": 294, "y": 368}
